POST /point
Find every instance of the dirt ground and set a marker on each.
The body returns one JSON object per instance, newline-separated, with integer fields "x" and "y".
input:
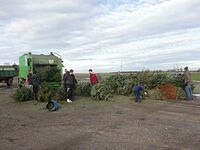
{"x": 120, "y": 124}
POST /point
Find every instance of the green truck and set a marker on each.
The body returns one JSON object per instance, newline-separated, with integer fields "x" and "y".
{"x": 48, "y": 67}
{"x": 7, "y": 73}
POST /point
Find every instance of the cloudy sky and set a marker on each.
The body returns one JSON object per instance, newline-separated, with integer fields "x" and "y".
{"x": 106, "y": 35}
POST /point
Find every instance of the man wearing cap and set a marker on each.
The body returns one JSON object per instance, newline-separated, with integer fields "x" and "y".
{"x": 188, "y": 82}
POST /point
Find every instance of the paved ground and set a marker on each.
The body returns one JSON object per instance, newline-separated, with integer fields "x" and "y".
{"x": 88, "y": 125}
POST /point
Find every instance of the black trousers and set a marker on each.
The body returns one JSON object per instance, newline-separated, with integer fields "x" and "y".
{"x": 35, "y": 91}
{"x": 70, "y": 91}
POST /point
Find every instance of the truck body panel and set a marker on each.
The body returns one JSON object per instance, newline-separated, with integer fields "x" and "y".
{"x": 7, "y": 73}
{"x": 43, "y": 65}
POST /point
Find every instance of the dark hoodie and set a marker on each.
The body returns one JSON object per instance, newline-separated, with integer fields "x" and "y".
{"x": 70, "y": 80}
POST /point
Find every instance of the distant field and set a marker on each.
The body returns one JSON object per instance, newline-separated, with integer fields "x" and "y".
{"x": 101, "y": 76}
{"x": 196, "y": 76}
{"x": 85, "y": 76}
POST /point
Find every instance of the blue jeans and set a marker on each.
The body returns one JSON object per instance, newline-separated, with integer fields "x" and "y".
{"x": 137, "y": 96}
{"x": 188, "y": 91}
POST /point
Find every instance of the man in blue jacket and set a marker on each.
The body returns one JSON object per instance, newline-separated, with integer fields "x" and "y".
{"x": 137, "y": 89}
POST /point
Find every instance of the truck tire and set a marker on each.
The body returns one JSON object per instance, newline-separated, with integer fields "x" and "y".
{"x": 9, "y": 82}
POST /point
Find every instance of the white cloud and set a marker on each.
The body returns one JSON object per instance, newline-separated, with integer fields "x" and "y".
{"x": 102, "y": 34}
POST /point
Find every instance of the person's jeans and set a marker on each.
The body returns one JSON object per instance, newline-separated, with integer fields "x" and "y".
{"x": 137, "y": 96}
{"x": 188, "y": 91}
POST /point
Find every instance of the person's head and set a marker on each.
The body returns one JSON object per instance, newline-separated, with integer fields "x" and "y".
{"x": 186, "y": 68}
{"x": 90, "y": 70}
{"x": 71, "y": 71}
{"x": 65, "y": 70}
{"x": 30, "y": 71}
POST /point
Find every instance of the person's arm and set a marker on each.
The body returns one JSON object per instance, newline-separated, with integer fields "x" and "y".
{"x": 90, "y": 78}
{"x": 142, "y": 88}
{"x": 133, "y": 88}
{"x": 75, "y": 79}
{"x": 63, "y": 77}
{"x": 190, "y": 77}
{"x": 64, "y": 82}
{"x": 38, "y": 80}
{"x": 97, "y": 78}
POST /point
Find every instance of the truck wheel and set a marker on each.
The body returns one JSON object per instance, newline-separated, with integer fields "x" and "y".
{"x": 9, "y": 82}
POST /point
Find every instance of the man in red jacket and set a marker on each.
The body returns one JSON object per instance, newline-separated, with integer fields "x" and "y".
{"x": 93, "y": 77}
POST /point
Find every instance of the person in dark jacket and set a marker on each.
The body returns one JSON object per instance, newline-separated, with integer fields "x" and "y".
{"x": 35, "y": 82}
{"x": 65, "y": 76}
{"x": 70, "y": 82}
{"x": 93, "y": 77}
{"x": 137, "y": 89}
